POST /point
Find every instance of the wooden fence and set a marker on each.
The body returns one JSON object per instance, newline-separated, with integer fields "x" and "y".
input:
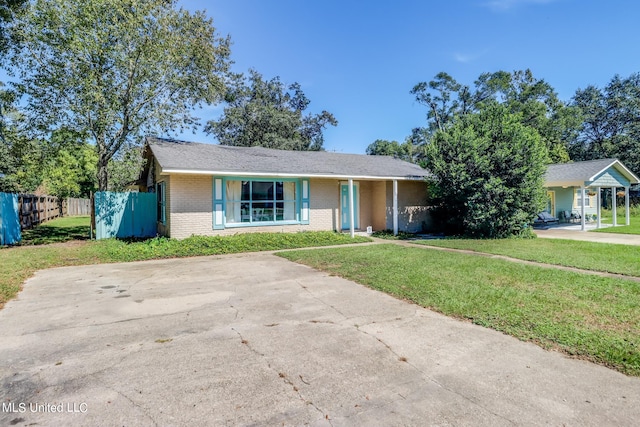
{"x": 35, "y": 210}
{"x": 76, "y": 207}
{"x": 122, "y": 215}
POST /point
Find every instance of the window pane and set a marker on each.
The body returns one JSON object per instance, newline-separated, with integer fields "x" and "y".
{"x": 234, "y": 189}
{"x": 262, "y": 190}
{"x": 262, "y": 211}
{"x": 285, "y": 211}
{"x": 246, "y": 190}
{"x": 233, "y": 212}
{"x": 279, "y": 190}
{"x": 289, "y": 191}
{"x": 245, "y": 211}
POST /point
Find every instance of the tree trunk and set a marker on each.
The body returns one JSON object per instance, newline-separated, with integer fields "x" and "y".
{"x": 103, "y": 174}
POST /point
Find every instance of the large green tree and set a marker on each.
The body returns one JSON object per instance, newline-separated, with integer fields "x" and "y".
{"x": 116, "y": 69}
{"x": 610, "y": 122}
{"x": 270, "y": 114}
{"x": 62, "y": 165}
{"x": 9, "y": 9}
{"x": 488, "y": 171}
{"x": 382, "y": 147}
{"x": 70, "y": 173}
{"x": 411, "y": 150}
{"x": 534, "y": 99}
{"x": 125, "y": 167}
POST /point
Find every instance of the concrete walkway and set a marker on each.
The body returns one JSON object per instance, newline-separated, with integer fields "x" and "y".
{"x": 571, "y": 234}
{"x": 254, "y": 339}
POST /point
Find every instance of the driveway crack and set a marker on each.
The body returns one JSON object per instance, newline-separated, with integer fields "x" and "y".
{"x": 285, "y": 378}
{"x": 144, "y": 411}
{"x": 428, "y": 379}
{"x": 322, "y": 301}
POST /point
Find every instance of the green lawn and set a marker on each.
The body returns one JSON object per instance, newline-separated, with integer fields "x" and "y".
{"x": 612, "y": 258}
{"x": 58, "y": 230}
{"x": 634, "y": 220}
{"x": 18, "y": 263}
{"x": 582, "y": 315}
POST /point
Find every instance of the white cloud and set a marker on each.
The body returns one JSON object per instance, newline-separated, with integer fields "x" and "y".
{"x": 468, "y": 57}
{"x": 502, "y": 5}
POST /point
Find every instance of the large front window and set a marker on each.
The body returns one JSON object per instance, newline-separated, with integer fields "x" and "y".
{"x": 250, "y": 202}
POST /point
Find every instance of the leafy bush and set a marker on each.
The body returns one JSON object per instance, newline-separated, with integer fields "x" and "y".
{"x": 488, "y": 171}
{"x": 388, "y": 234}
{"x": 163, "y": 247}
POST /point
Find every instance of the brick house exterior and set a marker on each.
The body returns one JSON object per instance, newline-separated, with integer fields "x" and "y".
{"x": 206, "y": 189}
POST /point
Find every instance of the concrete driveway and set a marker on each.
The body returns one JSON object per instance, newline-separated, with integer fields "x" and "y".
{"x": 562, "y": 233}
{"x": 256, "y": 340}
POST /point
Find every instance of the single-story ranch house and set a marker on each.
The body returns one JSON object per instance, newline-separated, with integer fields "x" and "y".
{"x": 207, "y": 189}
{"x": 575, "y": 189}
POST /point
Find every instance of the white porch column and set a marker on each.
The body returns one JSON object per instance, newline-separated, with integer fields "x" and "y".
{"x": 582, "y": 218}
{"x": 599, "y": 207}
{"x": 351, "y": 213}
{"x": 626, "y": 206}
{"x": 614, "y": 206}
{"x": 395, "y": 207}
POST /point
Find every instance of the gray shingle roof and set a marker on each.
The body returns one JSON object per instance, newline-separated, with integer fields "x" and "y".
{"x": 173, "y": 156}
{"x": 580, "y": 172}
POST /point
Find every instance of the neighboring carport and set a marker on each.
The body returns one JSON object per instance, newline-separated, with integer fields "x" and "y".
{"x": 579, "y": 185}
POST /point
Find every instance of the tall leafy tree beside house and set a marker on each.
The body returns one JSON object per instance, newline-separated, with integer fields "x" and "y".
{"x": 115, "y": 69}
{"x": 411, "y": 150}
{"x": 488, "y": 174}
{"x": 382, "y": 147}
{"x": 610, "y": 122}
{"x": 270, "y": 114}
{"x": 520, "y": 92}
{"x": 9, "y": 10}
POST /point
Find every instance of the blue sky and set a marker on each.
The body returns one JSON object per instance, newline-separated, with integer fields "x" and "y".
{"x": 360, "y": 59}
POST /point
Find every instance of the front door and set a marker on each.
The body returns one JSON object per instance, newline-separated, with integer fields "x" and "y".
{"x": 551, "y": 202}
{"x": 344, "y": 206}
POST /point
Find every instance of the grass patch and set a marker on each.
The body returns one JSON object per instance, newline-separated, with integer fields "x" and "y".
{"x": 623, "y": 229}
{"x": 584, "y": 316}
{"x": 608, "y": 257}
{"x": 634, "y": 221}
{"x": 17, "y": 264}
{"x": 58, "y": 230}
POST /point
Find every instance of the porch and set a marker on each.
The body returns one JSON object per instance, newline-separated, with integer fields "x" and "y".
{"x": 394, "y": 204}
{"x": 575, "y": 191}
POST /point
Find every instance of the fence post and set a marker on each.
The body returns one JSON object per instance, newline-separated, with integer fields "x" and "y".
{"x": 93, "y": 215}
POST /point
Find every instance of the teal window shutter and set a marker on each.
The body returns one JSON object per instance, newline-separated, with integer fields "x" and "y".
{"x": 218, "y": 204}
{"x": 305, "y": 208}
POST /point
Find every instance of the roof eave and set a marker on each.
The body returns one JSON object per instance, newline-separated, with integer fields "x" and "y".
{"x": 169, "y": 171}
{"x": 564, "y": 184}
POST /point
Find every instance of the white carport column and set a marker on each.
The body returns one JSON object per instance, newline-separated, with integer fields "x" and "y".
{"x": 352, "y": 229}
{"x": 626, "y": 206}
{"x": 395, "y": 207}
{"x": 582, "y": 203}
{"x": 614, "y": 205}
{"x": 599, "y": 207}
